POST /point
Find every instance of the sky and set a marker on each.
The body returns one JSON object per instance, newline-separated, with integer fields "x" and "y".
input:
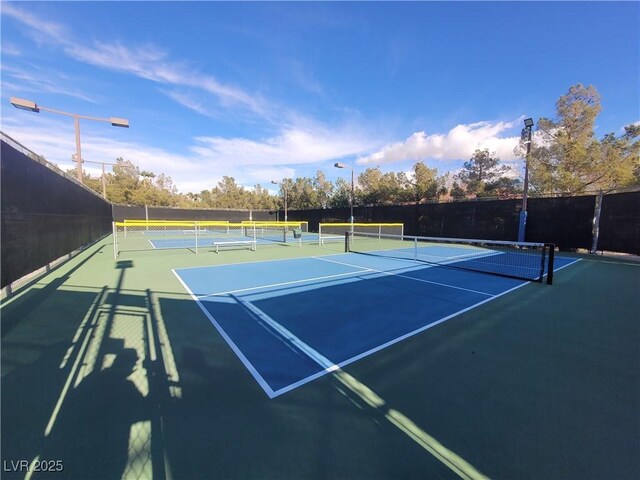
{"x": 262, "y": 91}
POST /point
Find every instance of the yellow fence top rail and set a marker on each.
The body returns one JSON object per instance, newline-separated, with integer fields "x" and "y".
{"x": 172, "y": 223}
{"x": 347, "y": 224}
{"x": 189, "y": 222}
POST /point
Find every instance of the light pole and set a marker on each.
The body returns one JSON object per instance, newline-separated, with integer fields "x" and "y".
{"x": 526, "y": 132}
{"x": 104, "y": 175}
{"x": 32, "y": 106}
{"x": 284, "y": 187}
{"x": 342, "y": 165}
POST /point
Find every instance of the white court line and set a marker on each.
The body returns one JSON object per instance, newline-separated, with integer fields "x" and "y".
{"x": 355, "y": 358}
{"x": 286, "y": 334}
{"x": 251, "y": 262}
{"x": 410, "y": 278}
{"x": 564, "y": 266}
{"x": 292, "y": 282}
{"x": 261, "y": 381}
{"x": 325, "y": 363}
{"x": 328, "y": 366}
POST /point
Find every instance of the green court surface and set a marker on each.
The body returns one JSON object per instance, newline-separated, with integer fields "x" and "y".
{"x": 112, "y": 368}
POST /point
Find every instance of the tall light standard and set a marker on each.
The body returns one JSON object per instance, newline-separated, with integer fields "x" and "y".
{"x": 342, "y": 165}
{"x": 526, "y": 133}
{"x": 284, "y": 187}
{"x": 104, "y": 175}
{"x": 32, "y": 106}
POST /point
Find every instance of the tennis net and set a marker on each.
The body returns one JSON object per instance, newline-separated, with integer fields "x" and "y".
{"x": 523, "y": 261}
{"x": 334, "y": 232}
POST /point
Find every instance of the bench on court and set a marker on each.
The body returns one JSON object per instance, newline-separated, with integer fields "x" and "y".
{"x": 226, "y": 243}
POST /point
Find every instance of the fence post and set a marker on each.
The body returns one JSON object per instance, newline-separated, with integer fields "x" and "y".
{"x": 115, "y": 240}
{"x": 596, "y": 223}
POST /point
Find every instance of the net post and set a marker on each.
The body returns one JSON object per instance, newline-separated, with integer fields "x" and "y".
{"x": 255, "y": 238}
{"x": 115, "y": 240}
{"x": 347, "y": 236}
{"x": 552, "y": 253}
{"x": 195, "y": 229}
{"x": 415, "y": 248}
{"x": 319, "y": 234}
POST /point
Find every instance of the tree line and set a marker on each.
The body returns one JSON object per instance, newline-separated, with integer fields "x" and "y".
{"x": 565, "y": 158}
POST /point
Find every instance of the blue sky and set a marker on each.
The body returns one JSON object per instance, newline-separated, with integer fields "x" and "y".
{"x": 262, "y": 91}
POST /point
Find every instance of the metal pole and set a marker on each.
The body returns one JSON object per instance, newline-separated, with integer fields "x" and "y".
{"x": 285, "y": 204}
{"x": 78, "y": 150}
{"x": 104, "y": 183}
{"x": 352, "y": 195}
{"x": 114, "y": 230}
{"x": 525, "y": 193}
{"x": 596, "y": 223}
{"x": 526, "y": 172}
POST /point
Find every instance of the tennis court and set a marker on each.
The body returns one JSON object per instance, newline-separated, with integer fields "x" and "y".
{"x": 270, "y": 312}
{"x": 207, "y": 236}
{"x": 312, "y": 362}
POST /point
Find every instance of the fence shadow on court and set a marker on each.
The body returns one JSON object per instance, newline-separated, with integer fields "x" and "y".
{"x": 88, "y": 374}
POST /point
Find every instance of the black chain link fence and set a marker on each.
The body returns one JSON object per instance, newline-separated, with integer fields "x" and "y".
{"x": 45, "y": 213}
{"x": 564, "y": 221}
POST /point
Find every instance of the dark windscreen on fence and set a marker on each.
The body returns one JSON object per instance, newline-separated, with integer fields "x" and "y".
{"x": 620, "y": 223}
{"x": 45, "y": 214}
{"x": 565, "y": 221}
{"x": 486, "y": 220}
{"x": 490, "y": 220}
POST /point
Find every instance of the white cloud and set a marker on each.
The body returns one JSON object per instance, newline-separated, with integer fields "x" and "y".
{"x": 459, "y": 143}
{"x": 203, "y": 164}
{"x": 10, "y": 49}
{"x": 293, "y": 145}
{"x": 49, "y": 82}
{"x": 190, "y": 101}
{"x": 146, "y": 61}
{"x": 152, "y": 63}
{"x": 46, "y": 30}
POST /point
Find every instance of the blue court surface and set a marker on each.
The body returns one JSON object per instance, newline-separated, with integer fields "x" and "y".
{"x": 292, "y": 321}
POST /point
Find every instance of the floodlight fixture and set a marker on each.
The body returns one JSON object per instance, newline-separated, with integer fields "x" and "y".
{"x": 22, "y": 104}
{"x": 32, "y": 106}
{"x": 528, "y": 122}
{"x": 119, "y": 122}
